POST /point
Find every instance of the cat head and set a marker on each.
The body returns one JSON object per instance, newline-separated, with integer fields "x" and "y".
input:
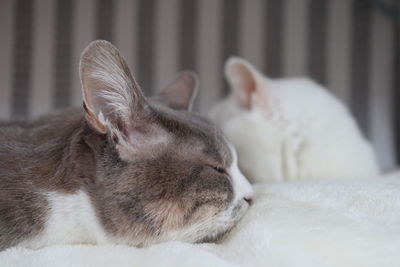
{"x": 251, "y": 119}
{"x": 162, "y": 172}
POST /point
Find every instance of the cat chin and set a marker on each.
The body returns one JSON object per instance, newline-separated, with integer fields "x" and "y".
{"x": 212, "y": 230}
{"x": 220, "y": 235}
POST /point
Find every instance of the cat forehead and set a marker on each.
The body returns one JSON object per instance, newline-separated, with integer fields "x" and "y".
{"x": 194, "y": 133}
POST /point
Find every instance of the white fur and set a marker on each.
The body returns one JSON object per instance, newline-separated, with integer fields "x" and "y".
{"x": 72, "y": 219}
{"x": 241, "y": 186}
{"x": 345, "y": 223}
{"x": 301, "y": 131}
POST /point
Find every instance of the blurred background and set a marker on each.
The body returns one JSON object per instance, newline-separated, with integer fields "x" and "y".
{"x": 351, "y": 46}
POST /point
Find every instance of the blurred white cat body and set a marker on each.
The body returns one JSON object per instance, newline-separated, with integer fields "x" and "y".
{"x": 289, "y": 129}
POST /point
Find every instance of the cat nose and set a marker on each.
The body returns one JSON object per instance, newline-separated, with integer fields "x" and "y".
{"x": 249, "y": 200}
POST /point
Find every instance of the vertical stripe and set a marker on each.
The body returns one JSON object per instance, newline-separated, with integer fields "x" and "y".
{"x": 187, "y": 45}
{"x": 167, "y": 43}
{"x": 295, "y": 32}
{"x": 187, "y": 34}
{"x": 42, "y": 66}
{"x": 251, "y": 25}
{"x": 83, "y": 29}
{"x": 6, "y": 27}
{"x": 104, "y": 19}
{"x": 380, "y": 82}
{"x": 125, "y": 30}
{"x": 317, "y": 32}
{"x": 63, "y": 54}
{"x": 396, "y": 83}
{"x": 338, "y": 45}
{"x": 361, "y": 39}
{"x": 274, "y": 18}
{"x": 146, "y": 17}
{"x": 23, "y": 29}
{"x": 230, "y": 33}
{"x": 208, "y": 54}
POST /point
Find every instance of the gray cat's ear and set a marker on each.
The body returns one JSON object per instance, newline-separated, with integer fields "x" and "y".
{"x": 247, "y": 83}
{"x": 114, "y": 102}
{"x": 180, "y": 94}
{"x": 111, "y": 95}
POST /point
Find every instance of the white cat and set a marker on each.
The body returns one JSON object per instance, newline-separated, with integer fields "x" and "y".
{"x": 290, "y": 129}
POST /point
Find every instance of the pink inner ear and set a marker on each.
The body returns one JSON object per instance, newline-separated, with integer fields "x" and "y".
{"x": 244, "y": 85}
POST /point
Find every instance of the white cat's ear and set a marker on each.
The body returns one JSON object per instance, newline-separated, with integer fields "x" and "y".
{"x": 180, "y": 94}
{"x": 246, "y": 81}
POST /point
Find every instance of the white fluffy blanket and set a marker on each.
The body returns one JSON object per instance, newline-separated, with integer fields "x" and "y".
{"x": 316, "y": 223}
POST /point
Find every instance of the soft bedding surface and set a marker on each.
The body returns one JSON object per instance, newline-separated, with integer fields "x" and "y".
{"x": 315, "y": 223}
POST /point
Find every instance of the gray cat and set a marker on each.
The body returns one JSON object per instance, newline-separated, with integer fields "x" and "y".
{"x": 125, "y": 169}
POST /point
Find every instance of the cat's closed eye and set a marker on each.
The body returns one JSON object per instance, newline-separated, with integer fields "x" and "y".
{"x": 219, "y": 169}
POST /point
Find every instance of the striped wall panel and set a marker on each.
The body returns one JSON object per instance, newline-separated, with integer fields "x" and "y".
{"x": 396, "y": 81}
{"x": 229, "y": 35}
{"x": 168, "y": 43}
{"x": 6, "y": 57}
{"x": 360, "y": 60}
{"x": 62, "y": 60}
{"x": 338, "y": 49}
{"x": 352, "y": 46}
{"x": 317, "y": 38}
{"x": 45, "y": 82}
{"x": 84, "y": 31}
{"x": 295, "y": 33}
{"x": 380, "y": 81}
{"x": 146, "y": 13}
{"x": 208, "y": 54}
{"x": 22, "y": 58}
{"x": 274, "y": 19}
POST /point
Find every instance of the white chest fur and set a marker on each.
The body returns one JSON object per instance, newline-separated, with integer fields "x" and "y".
{"x": 71, "y": 220}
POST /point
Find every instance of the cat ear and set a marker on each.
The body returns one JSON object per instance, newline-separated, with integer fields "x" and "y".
{"x": 246, "y": 81}
{"x": 180, "y": 94}
{"x": 111, "y": 95}
{"x": 113, "y": 101}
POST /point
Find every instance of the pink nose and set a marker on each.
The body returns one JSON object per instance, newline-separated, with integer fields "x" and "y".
{"x": 249, "y": 200}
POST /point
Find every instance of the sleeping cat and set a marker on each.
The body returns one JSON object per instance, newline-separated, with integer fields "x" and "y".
{"x": 123, "y": 169}
{"x": 290, "y": 129}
